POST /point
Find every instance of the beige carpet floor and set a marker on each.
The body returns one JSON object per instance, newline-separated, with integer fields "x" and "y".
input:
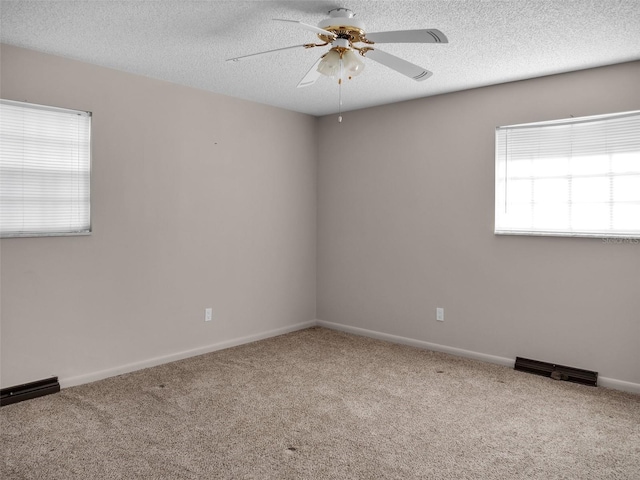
{"x": 321, "y": 404}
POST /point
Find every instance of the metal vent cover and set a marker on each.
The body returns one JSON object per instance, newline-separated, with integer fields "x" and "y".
{"x": 29, "y": 390}
{"x": 557, "y": 372}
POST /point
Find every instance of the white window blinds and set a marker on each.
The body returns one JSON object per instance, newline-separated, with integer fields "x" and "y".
{"x": 573, "y": 177}
{"x": 45, "y": 166}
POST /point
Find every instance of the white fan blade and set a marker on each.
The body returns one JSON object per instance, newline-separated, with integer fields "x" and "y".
{"x": 398, "y": 64}
{"x": 264, "y": 53}
{"x": 409, "y": 36}
{"x": 312, "y": 75}
{"x": 308, "y": 27}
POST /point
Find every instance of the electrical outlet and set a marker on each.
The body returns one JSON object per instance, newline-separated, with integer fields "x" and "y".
{"x": 208, "y": 314}
{"x": 440, "y": 314}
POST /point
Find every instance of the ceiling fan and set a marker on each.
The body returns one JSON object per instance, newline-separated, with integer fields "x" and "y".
{"x": 345, "y": 36}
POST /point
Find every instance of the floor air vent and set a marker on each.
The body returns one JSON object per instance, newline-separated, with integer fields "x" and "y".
{"x": 557, "y": 372}
{"x": 27, "y": 391}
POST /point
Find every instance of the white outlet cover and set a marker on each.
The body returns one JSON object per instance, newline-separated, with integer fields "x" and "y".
{"x": 440, "y": 314}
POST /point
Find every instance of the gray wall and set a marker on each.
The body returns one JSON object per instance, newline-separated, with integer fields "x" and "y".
{"x": 203, "y": 200}
{"x": 405, "y": 225}
{"x": 198, "y": 200}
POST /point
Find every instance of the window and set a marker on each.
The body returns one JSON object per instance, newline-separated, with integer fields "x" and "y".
{"x": 45, "y": 166}
{"x": 573, "y": 177}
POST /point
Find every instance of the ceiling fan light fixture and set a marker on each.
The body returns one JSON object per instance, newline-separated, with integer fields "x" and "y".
{"x": 340, "y": 63}
{"x": 330, "y": 64}
{"x": 352, "y": 64}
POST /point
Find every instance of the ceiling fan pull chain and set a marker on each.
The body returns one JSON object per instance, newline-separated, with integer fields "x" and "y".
{"x": 340, "y": 94}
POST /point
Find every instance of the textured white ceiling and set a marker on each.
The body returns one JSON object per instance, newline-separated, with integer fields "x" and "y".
{"x": 187, "y": 42}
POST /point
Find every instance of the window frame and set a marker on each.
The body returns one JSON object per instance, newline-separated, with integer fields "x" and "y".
{"x": 503, "y": 180}
{"x": 87, "y": 228}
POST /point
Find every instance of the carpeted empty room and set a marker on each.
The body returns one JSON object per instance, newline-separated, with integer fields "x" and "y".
{"x": 320, "y": 404}
{"x": 315, "y": 240}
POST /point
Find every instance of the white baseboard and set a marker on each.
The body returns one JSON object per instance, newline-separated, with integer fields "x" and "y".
{"x": 152, "y": 362}
{"x": 508, "y": 362}
{"x": 618, "y": 384}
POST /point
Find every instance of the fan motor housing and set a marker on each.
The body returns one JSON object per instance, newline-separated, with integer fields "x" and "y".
{"x": 342, "y": 23}
{"x": 330, "y": 23}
